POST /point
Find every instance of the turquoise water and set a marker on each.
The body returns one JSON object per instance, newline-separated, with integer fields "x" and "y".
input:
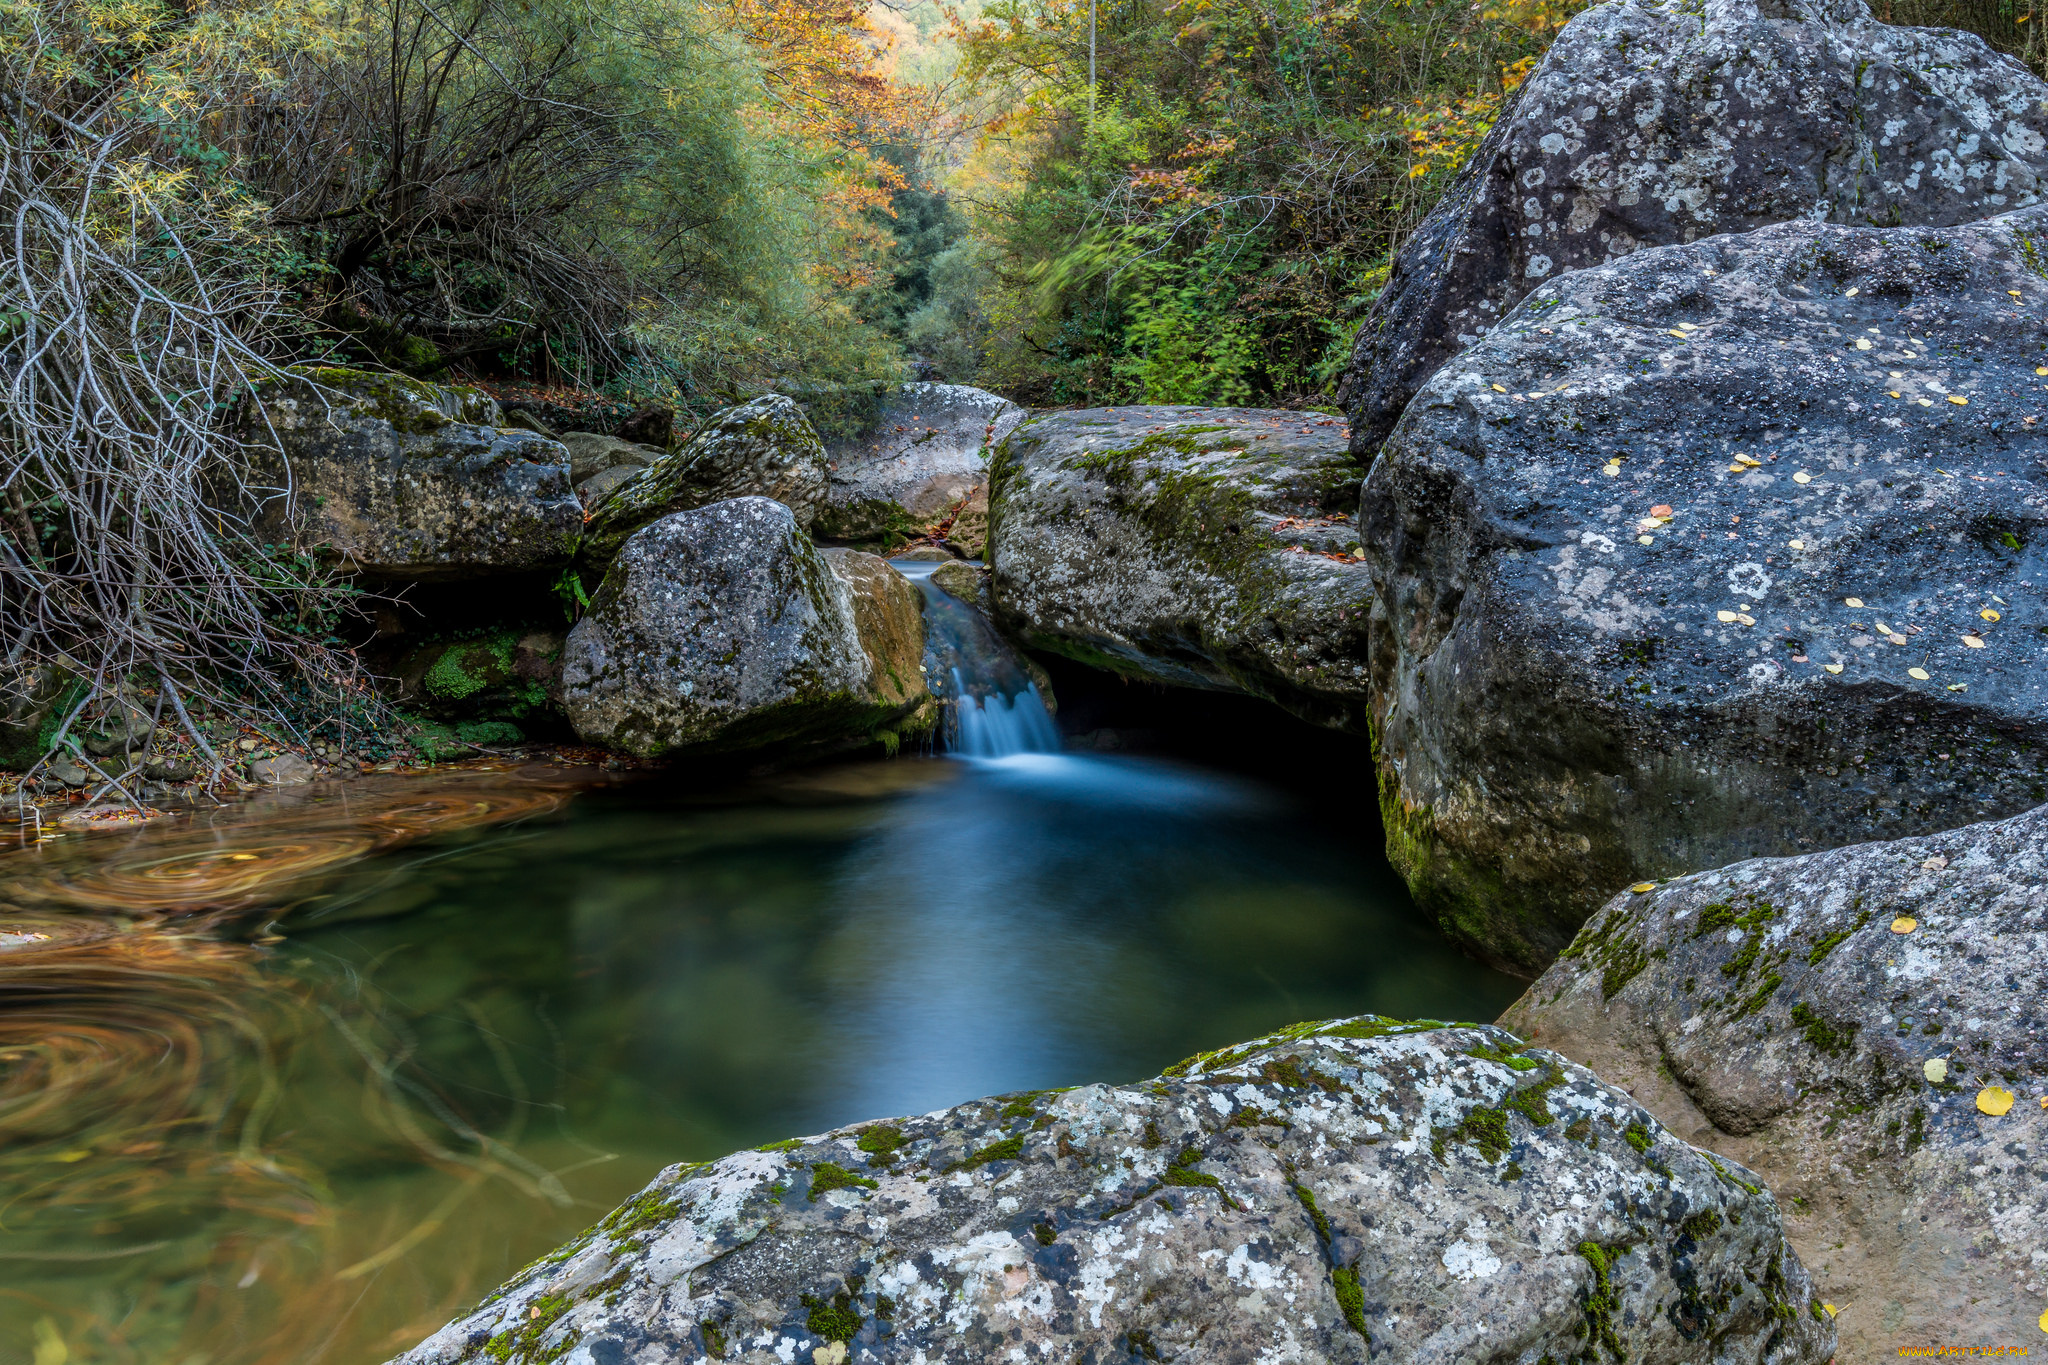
{"x": 448, "y": 1057}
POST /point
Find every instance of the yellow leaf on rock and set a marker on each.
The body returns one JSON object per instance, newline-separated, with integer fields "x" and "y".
{"x": 1852, "y": 601}
{"x": 1974, "y": 642}
{"x": 1674, "y": 332}
{"x": 1919, "y": 673}
{"x": 1894, "y": 393}
{"x": 1497, "y": 388}
{"x": 1802, "y": 477}
{"x": 1994, "y": 1100}
{"x": 1642, "y": 888}
{"x": 1935, "y": 1069}
{"x": 1989, "y": 614}
{"x": 1862, "y": 344}
{"x": 1833, "y": 1311}
{"x": 1832, "y": 668}
{"x": 2041, "y": 369}
{"x": 1795, "y": 544}
{"x": 1724, "y": 617}
{"x": 1905, "y": 924}
{"x": 1959, "y": 400}
{"x": 1645, "y": 540}
{"x": 2044, "y": 1314}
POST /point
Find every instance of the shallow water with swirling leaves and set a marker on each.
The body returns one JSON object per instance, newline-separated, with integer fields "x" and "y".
{"x": 297, "y": 1081}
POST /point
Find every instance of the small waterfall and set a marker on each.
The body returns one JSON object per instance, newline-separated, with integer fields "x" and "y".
{"x": 994, "y": 708}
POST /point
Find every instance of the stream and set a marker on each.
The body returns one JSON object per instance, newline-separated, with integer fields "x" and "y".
{"x": 298, "y": 1081}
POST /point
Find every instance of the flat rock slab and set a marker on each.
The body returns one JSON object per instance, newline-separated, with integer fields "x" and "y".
{"x": 1654, "y": 122}
{"x": 395, "y": 478}
{"x": 1202, "y": 547}
{"x": 1719, "y": 551}
{"x": 1362, "y": 1189}
{"x": 1852, "y": 1024}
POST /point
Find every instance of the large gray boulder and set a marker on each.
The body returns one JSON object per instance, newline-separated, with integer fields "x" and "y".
{"x": 1653, "y": 122}
{"x": 919, "y": 454}
{"x": 396, "y": 478}
{"x": 1329, "y": 1193}
{"x": 1862, "y": 1027}
{"x": 598, "y": 464}
{"x": 725, "y": 628}
{"x": 1720, "y": 551}
{"x": 1203, "y": 547}
{"x": 762, "y": 448}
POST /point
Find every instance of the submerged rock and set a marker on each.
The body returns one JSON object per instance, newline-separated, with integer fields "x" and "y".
{"x": 399, "y": 479}
{"x": 1861, "y": 1026}
{"x": 762, "y": 448}
{"x": 920, "y": 454}
{"x": 1719, "y": 551}
{"x": 726, "y": 628}
{"x": 1327, "y": 1193}
{"x": 1204, "y": 547}
{"x": 1653, "y": 122}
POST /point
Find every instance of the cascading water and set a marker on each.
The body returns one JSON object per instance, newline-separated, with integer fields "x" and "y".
{"x": 995, "y": 708}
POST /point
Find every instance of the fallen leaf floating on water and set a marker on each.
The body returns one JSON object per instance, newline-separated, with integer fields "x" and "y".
{"x": 1995, "y": 1100}
{"x": 1919, "y": 674}
{"x": 1852, "y": 601}
{"x": 1935, "y": 1069}
{"x": 1905, "y": 924}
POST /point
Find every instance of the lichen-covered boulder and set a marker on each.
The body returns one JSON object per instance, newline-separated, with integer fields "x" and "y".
{"x": 1724, "y": 550}
{"x": 1653, "y": 122}
{"x": 920, "y": 453}
{"x": 1361, "y": 1189}
{"x": 725, "y": 628}
{"x": 763, "y": 448}
{"x": 1203, "y": 547}
{"x": 1863, "y": 1027}
{"x": 399, "y": 479}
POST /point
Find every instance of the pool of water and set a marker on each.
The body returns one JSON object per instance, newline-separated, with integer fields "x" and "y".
{"x": 313, "y": 1115}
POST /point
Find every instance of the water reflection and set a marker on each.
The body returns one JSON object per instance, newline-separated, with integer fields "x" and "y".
{"x": 462, "y": 1049}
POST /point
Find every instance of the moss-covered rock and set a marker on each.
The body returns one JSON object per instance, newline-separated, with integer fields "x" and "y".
{"x": 33, "y": 706}
{"x": 1333, "y": 1193}
{"x": 1203, "y": 547}
{"x": 725, "y": 628}
{"x": 1853, "y": 1026}
{"x": 762, "y": 448}
{"x": 917, "y": 457}
{"x": 396, "y": 478}
{"x": 505, "y": 674}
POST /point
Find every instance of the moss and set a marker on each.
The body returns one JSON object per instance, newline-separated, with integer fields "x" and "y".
{"x": 1024, "y": 1105}
{"x": 1760, "y": 997}
{"x": 880, "y": 1141}
{"x": 1289, "y": 1072}
{"x": 714, "y": 1337}
{"x": 786, "y": 1145}
{"x": 830, "y": 1175}
{"x": 1701, "y": 1225}
{"x": 1376, "y": 1026}
{"x": 1181, "y": 1172}
{"x": 1833, "y": 1040}
{"x": 1624, "y": 963}
{"x": 523, "y": 1345}
{"x": 1532, "y": 1102}
{"x": 1045, "y": 1234}
{"x": 1603, "y": 1301}
{"x": 1827, "y": 943}
{"x": 1637, "y": 1135}
{"x": 834, "y": 1319}
{"x": 1916, "y": 1129}
{"x": 1350, "y": 1298}
{"x": 1486, "y": 1129}
{"x": 1315, "y": 1212}
{"x": 647, "y": 1210}
{"x": 1581, "y": 1131}
{"x": 1504, "y": 1055}
{"x": 1009, "y": 1149}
